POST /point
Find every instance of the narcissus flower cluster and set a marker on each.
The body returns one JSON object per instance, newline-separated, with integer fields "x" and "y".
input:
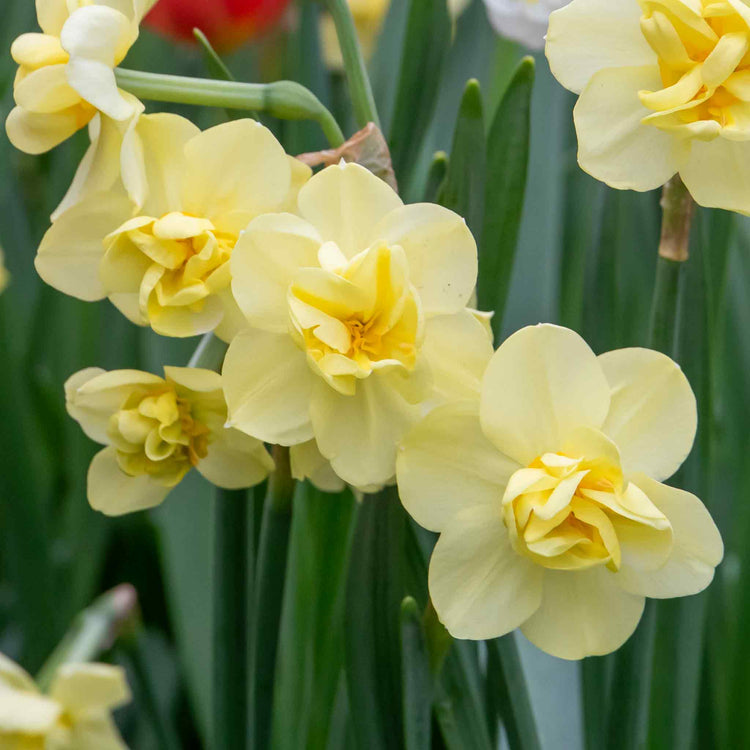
{"x": 663, "y": 91}
{"x": 547, "y": 492}
{"x": 156, "y": 430}
{"x": 66, "y": 72}
{"x": 75, "y": 714}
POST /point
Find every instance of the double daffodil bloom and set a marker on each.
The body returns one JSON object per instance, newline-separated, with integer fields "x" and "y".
{"x": 156, "y": 430}
{"x": 356, "y": 310}
{"x": 66, "y": 73}
{"x": 664, "y": 90}
{"x": 167, "y": 266}
{"x": 76, "y": 713}
{"x": 547, "y": 493}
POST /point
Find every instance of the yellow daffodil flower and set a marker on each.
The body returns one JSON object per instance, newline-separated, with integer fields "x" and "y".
{"x": 356, "y": 309}
{"x": 165, "y": 262}
{"x": 368, "y": 18}
{"x": 156, "y": 430}
{"x": 662, "y": 91}
{"x": 75, "y": 714}
{"x": 547, "y": 492}
{"x": 66, "y": 72}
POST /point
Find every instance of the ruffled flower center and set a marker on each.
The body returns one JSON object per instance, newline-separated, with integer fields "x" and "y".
{"x": 568, "y": 512}
{"x": 353, "y": 317}
{"x": 155, "y": 433}
{"x": 180, "y": 260}
{"x": 704, "y": 59}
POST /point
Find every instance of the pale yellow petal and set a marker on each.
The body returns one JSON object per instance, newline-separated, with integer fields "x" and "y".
{"x": 445, "y": 335}
{"x": 267, "y": 384}
{"x": 441, "y": 252}
{"x": 51, "y": 15}
{"x": 445, "y": 464}
{"x": 583, "y": 613}
{"x": 14, "y": 676}
{"x": 697, "y": 548}
{"x": 235, "y": 460}
{"x": 185, "y": 321}
{"x": 45, "y": 90}
{"x": 542, "y": 383}
{"x": 26, "y": 713}
{"x": 36, "y": 133}
{"x": 309, "y": 463}
{"x": 72, "y": 248}
{"x": 480, "y": 587}
{"x": 717, "y": 174}
{"x": 96, "y": 732}
{"x": 614, "y": 146}
{"x": 652, "y": 416}
{"x": 236, "y": 166}
{"x": 358, "y": 434}
{"x": 344, "y": 203}
{"x": 587, "y": 36}
{"x": 265, "y": 260}
{"x": 84, "y": 687}
{"x": 114, "y": 493}
{"x": 195, "y": 379}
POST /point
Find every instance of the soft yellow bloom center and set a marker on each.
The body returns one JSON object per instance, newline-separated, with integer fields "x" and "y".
{"x": 353, "y": 317}
{"x": 703, "y": 48}
{"x": 568, "y": 512}
{"x": 155, "y": 433}
{"x": 182, "y": 260}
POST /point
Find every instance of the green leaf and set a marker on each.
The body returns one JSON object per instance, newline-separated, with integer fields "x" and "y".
{"x": 464, "y": 188}
{"x": 428, "y": 37}
{"x": 436, "y": 177}
{"x": 416, "y": 679}
{"x": 374, "y": 592}
{"x": 507, "y": 165}
{"x": 310, "y": 659}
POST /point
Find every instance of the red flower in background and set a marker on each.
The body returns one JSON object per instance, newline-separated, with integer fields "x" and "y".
{"x": 226, "y": 23}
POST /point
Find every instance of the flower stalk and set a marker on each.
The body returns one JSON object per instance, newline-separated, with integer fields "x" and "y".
{"x": 363, "y": 100}
{"x": 286, "y": 100}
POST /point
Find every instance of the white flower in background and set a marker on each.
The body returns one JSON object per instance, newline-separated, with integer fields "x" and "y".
{"x": 523, "y": 21}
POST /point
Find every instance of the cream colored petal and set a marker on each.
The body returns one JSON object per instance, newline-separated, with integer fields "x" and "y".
{"x": 309, "y": 463}
{"x": 583, "y": 613}
{"x": 717, "y": 174}
{"x": 114, "y": 493}
{"x": 301, "y": 173}
{"x": 542, "y": 383}
{"x": 72, "y": 248}
{"x": 233, "y": 321}
{"x": 185, "y": 321}
{"x": 358, "y": 434}
{"x": 235, "y": 460}
{"x": 264, "y": 261}
{"x": 697, "y": 549}
{"x": 457, "y": 376}
{"x": 445, "y": 464}
{"x": 45, "y": 90}
{"x": 23, "y": 713}
{"x": 84, "y": 687}
{"x": 441, "y": 252}
{"x": 480, "y": 587}
{"x": 96, "y": 732}
{"x": 95, "y": 36}
{"x": 344, "y": 203}
{"x": 93, "y": 395}
{"x": 238, "y": 165}
{"x": 36, "y": 133}
{"x": 267, "y": 384}
{"x": 614, "y": 146}
{"x": 587, "y": 36}
{"x": 51, "y": 15}
{"x": 14, "y": 676}
{"x": 195, "y": 379}
{"x": 652, "y": 416}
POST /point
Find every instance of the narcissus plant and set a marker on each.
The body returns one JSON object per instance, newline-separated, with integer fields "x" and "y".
{"x": 547, "y": 493}
{"x": 156, "y": 430}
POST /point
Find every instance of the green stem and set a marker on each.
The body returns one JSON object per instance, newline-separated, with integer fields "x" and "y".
{"x": 269, "y": 591}
{"x": 92, "y": 631}
{"x": 354, "y": 64}
{"x": 230, "y": 619}
{"x": 209, "y": 354}
{"x": 515, "y": 704}
{"x": 416, "y": 679}
{"x": 286, "y": 100}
